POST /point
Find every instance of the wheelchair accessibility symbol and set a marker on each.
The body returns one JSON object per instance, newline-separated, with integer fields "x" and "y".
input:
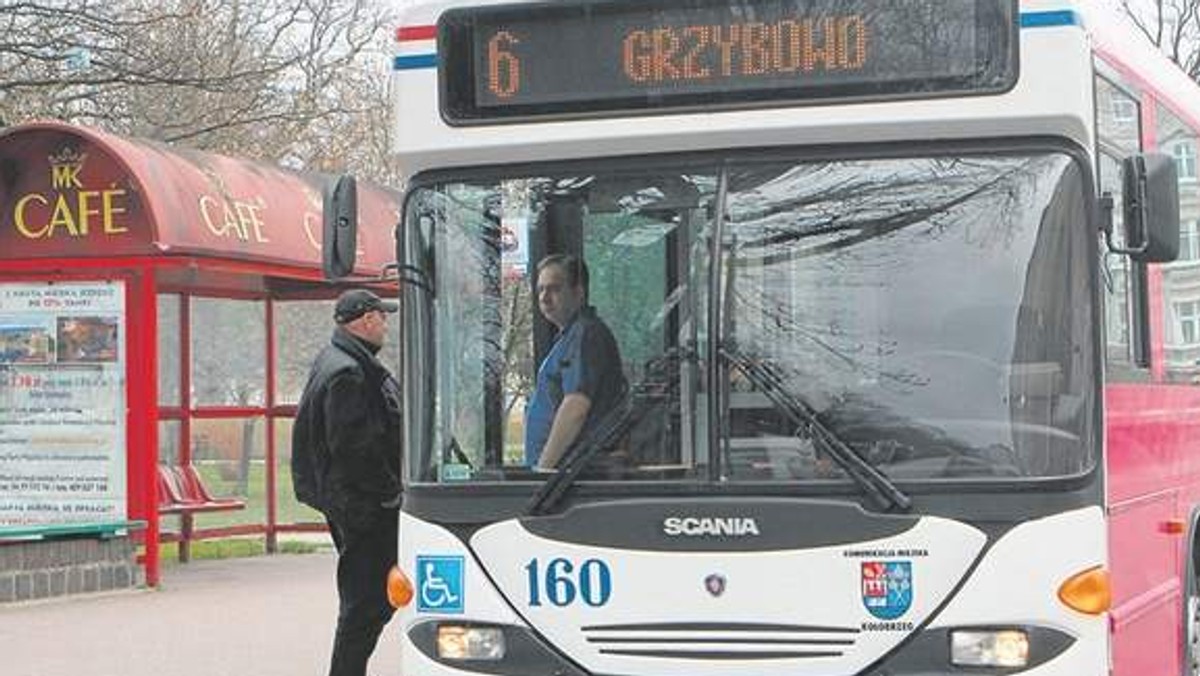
{"x": 440, "y": 584}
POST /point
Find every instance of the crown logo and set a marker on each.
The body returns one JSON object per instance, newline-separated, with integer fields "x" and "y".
{"x": 65, "y": 166}
{"x": 67, "y": 157}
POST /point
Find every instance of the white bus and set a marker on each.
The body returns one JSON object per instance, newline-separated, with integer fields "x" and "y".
{"x": 882, "y": 277}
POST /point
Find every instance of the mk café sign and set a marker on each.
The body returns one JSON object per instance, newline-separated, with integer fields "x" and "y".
{"x": 75, "y": 200}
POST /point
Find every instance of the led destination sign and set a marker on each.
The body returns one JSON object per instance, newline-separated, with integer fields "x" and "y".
{"x": 577, "y": 58}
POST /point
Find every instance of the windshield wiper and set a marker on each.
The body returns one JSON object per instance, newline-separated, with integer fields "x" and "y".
{"x": 801, "y": 414}
{"x": 662, "y": 378}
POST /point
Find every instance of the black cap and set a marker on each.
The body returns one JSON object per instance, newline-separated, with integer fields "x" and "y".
{"x": 355, "y": 303}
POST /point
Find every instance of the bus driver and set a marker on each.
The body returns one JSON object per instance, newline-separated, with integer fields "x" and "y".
{"x": 580, "y": 379}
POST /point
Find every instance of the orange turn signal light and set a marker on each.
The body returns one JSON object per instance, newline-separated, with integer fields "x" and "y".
{"x": 1089, "y": 592}
{"x": 1173, "y": 527}
{"x": 399, "y": 588}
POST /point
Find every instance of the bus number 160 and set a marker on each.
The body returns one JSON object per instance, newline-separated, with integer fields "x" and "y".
{"x": 592, "y": 584}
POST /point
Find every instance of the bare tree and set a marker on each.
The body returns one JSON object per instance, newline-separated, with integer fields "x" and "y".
{"x": 1173, "y": 26}
{"x": 298, "y": 82}
{"x": 516, "y": 342}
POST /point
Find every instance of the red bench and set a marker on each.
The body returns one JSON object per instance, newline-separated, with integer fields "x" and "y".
{"x": 181, "y": 492}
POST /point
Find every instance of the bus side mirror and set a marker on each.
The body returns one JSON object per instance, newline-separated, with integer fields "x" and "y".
{"x": 1151, "y": 208}
{"x": 339, "y": 242}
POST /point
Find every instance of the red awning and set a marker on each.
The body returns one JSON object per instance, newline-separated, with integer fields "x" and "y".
{"x": 68, "y": 191}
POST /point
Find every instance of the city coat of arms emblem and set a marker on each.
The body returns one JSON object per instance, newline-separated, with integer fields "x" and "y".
{"x": 887, "y": 588}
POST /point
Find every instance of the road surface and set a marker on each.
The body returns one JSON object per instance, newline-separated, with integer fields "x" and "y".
{"x": 261, "y": 616}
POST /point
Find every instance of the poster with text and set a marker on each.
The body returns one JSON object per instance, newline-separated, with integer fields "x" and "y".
{"x": 62, "y": 403}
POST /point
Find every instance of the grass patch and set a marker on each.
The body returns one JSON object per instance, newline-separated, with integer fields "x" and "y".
{"x": 288, "y": 510}
{"x": 234, "y": 548}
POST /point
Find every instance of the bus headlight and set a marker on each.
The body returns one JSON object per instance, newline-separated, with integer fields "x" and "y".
{"x": 465, "y": 642}
{"x": 989, "y": 648}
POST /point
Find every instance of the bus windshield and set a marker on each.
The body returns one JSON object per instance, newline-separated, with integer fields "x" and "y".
{"x": 930, "y": 316}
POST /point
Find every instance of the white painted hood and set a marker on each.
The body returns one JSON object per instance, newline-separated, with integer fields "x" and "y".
{"x": 693, "y": 610}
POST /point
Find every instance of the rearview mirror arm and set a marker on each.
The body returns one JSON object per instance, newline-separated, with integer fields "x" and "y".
{"x": 1106, "y": 222}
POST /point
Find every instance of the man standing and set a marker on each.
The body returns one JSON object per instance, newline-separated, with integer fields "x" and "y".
{"x": 581, "y": 378}
{"x": 346, "y": 463}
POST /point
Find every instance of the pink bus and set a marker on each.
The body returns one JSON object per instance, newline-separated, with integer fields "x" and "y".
{"x": 1152, "y": 377}
{"x": 909, "y": 325}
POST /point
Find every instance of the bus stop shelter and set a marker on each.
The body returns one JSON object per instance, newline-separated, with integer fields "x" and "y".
{"x": 159, "y": 308}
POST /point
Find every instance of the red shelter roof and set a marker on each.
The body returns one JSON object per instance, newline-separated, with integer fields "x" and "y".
{"x": 68, "y": 191}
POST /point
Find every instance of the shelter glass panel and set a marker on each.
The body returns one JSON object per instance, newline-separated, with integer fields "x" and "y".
{"x": 229, "y": 347}
{"x": 168, "y": 349}
{"x": 228, "y": 455}
{"x": 170, "y": 523}
{"x": 288, "y": 509}
{"x": 169, "y": 442}
{"x": 302, "y": 328}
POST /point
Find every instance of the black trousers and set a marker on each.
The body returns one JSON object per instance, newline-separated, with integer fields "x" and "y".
{"x": 365, "y": 555}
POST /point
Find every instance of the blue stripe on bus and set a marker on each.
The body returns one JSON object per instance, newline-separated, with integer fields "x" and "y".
{"x": 1065, "y": 17}
{"x": 415, "y": 61}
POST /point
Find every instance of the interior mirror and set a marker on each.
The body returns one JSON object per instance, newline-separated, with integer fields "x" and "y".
{"x": 339, "y": 241}
{"x": 1151, "y": 208}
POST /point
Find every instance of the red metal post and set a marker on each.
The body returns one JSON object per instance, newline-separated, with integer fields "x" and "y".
{"x": 141, "y": 318}
{"x": 269, "y": 421}
{"x": 185, "y": 405}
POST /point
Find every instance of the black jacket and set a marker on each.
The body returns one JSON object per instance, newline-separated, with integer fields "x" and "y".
{"x": 348, "y": 428}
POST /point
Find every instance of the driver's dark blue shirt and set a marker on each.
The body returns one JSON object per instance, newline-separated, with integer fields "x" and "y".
{"x": 584, "y": 358}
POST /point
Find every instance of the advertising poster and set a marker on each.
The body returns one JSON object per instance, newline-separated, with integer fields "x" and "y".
{"x": 514, "y": 245}
{"x": 62, "y": 403}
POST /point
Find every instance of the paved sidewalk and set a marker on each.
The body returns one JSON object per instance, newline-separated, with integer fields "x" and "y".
{"x": 261, "y": 616}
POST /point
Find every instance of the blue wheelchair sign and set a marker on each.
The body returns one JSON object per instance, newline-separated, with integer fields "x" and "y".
{"x": 440, "y": 584}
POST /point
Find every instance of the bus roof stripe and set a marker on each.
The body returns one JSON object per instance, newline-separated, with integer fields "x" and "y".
{"x": 409, "y": 33}
{"x": 415, "y": 62}
{"x": 1064, "y": 17}
{"x": 1048, "y": 19}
